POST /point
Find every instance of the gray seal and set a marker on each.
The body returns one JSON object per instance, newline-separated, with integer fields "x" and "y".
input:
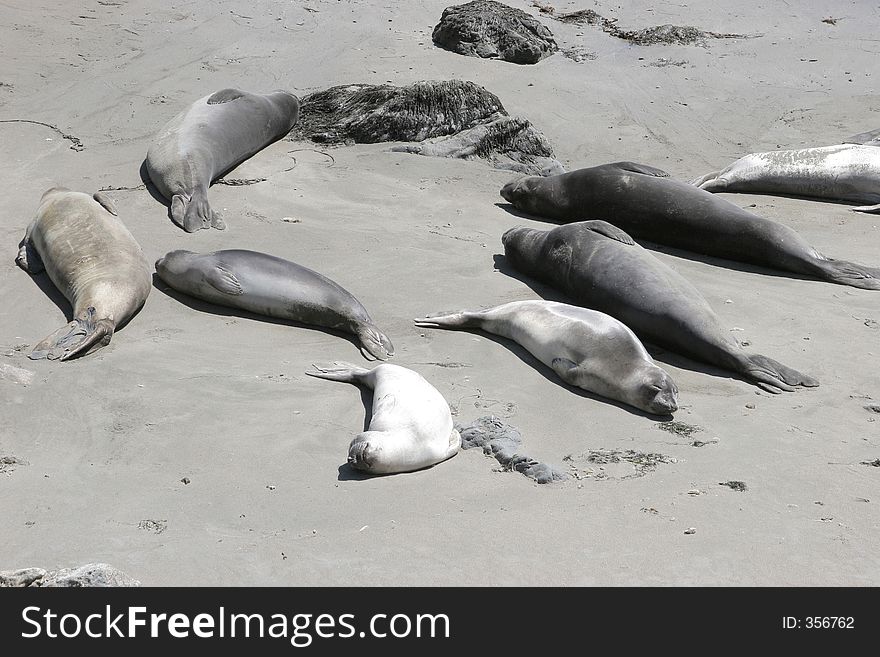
{"x": 843, "y": 172}
{"x": 268, "y": 285}
{"x": 647, "y": 204}
{"x": 215, "y": 134}
{"x": 599, "y": 266}
{"x": 94, "y": 261}
{"x": 586, "y": 348}
{"x": 410, "y": 425}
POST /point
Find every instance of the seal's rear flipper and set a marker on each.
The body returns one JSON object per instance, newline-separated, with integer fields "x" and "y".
{"x": 195, "y": 213}
{"x": 849, "y": 273}
{"x": 340, "y": 371}
{"x": 453, "y": 320}
{"x": 870, "y": 138}
{"x": 77, "y": 337}
{"x": 871, "y": 209}
{"x": 775, "y": 377}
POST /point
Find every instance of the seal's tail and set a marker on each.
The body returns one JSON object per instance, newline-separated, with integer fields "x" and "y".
{"x": 195, "y": 213}
{"x": 77, "y": 337}
{"x": 849, "y": 273}
{"x": 374, "y": 343}
{"x": 340, "y": 371}
{"x": 773, "y": 376}
{"x": 461, "y": 319}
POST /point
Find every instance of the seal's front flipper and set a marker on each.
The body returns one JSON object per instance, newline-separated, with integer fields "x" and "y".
{"x": 645, "y": 169}
{"x": 224, "y": 96}
{"x": 871, "y": 209}
{"x": 705, "y": 182}
{"x": 77, "y": 337}
{"x": 775, "y": 377}
{"x": 28, "y": 258}
{"x": 610, "y": 231}
{"x": 106, "y": 202}
{"x": 566, "y": 369}
{"x": 374, "y": 343}
{"x": 223, "y": 280}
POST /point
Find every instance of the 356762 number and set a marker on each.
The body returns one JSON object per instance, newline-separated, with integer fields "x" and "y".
{"x": 829, "y": 622}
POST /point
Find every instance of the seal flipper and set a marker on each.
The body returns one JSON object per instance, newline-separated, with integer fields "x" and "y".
{"x": 870, "y": 138}
{"x": 340, "y": 371}
{"x": 77, "y": 337}
{"x": 453, "y": 320}
{"x": 224, "y": 96}
{"x": 566, "y": 370}
{"x": 374, "y": 343}
{"x": 645, "y": 169}
{"x": 223, "y": 280}
{"x": 28, "y": 258}
{"x": 773, "y": 376}
{"x": 106, "y": 202}
{"x": 195, "y": 213}
{"x": 870, "y": 209}
{"x": 609, "y": 230}
{"x": 843, "y": 272}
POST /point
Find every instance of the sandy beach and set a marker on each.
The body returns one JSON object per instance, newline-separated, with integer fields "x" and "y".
{"x": 193, "y": 450}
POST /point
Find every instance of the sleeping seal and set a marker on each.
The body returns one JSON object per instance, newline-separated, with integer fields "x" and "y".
{"x": 410, "y": 427}
{"x": 586, "y": 348}
{"x": 844, "y": 172}
{"x": 268, "y": 285}
{"x": 93, "y": 260}
{"x": 599, "y": 266}
{"x": 647, "y": 204}
{"x": 215, "y": 134}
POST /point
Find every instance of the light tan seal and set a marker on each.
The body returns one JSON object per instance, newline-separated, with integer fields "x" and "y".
{"x": 93, "y": 260}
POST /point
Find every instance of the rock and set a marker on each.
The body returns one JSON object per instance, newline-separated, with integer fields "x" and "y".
{"x": 448, "y": 118}
{"x": 508, "y": 143}
{"x": 492, "y": 30}
{"x": 90, "y": 575}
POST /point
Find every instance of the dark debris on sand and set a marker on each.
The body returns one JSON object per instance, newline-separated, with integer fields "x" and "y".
{"x": 738, "y": 486}
{"x": 502, "y": 441}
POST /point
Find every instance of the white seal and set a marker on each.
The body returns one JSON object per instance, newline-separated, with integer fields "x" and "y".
{"x": 411, "y": 426}
{"x": 586, "y": 348}
{"x": 843, "y": 172}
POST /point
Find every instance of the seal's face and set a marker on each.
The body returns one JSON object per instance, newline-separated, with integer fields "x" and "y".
{"x": 659, "y": 394}
{"x": 174, "y": 262}
{"x": 519, "y": 193}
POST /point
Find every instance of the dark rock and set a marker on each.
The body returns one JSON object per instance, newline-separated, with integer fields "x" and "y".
{"x": 508, "y": 143}
{"x": 90, "y": 575}
{"x": 489, "y": 29}
{"x": 450, "y": 118}
{"x": 368, "y": 114}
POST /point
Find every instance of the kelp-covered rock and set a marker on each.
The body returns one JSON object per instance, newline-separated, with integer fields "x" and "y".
{"x": 368, "y": 114}
{"x": 485, "y": 28}
{"x": 449, "y": 118}
{"x": 508, "y": 143}
{"x": 90, "y": 575}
